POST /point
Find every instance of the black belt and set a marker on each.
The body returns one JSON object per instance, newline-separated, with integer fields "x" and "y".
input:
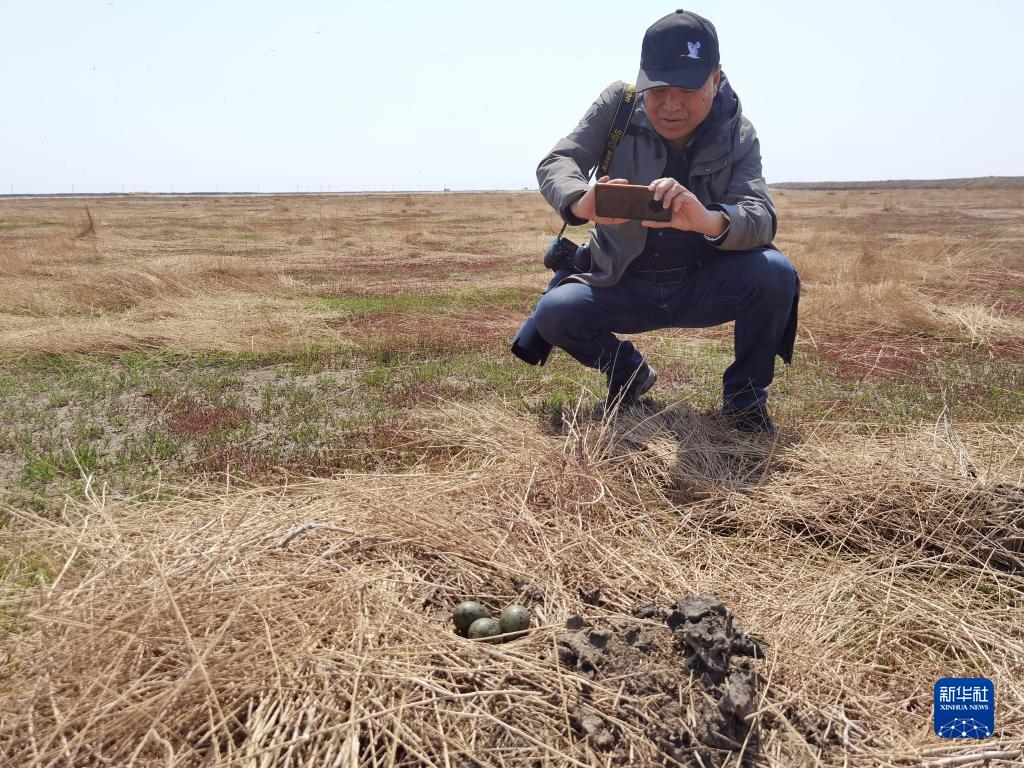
{"x": 676, "y": 275}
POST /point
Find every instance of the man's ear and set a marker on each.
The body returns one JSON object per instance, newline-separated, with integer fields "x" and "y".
{"x": 717, "y": 75}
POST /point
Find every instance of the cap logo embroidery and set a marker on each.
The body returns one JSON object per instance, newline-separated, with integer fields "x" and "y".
{"x": 694, "y": 51}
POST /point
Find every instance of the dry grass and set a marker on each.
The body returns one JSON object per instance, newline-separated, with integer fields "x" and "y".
{"x": 188, "y": 634}
{"x": 932, "y": 266}
{"x": 161, "y": 271}
{"x": 146, "y": 267}
{"x": 308, "y": 624}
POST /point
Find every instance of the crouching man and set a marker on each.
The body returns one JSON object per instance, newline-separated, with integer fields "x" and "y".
{"x": 713, "y": 263}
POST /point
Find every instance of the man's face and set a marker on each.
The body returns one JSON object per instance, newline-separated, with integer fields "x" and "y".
{"x": 675, "y": 113}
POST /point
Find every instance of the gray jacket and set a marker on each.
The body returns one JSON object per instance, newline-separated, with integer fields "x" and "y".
{"x": 725, "y": 174}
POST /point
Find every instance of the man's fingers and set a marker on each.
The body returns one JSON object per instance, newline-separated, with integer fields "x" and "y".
{"x": 656, "y": 224}
{"x": 683, "y": 197}
{"x": 661, "y": 187}
{"x": 673, "y": 196}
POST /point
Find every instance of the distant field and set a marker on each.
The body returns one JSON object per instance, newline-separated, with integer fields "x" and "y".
{"x": 184, "y": 380}
{"x": 975, "y": 182}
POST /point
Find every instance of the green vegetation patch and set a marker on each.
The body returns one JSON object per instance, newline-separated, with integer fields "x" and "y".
{"x": 6, "y": 226}
{"x": 26, "y": 570}
{"x": 139, "y": 418}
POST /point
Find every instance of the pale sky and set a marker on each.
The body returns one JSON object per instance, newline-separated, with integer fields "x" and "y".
{"x": 396, "y": 94}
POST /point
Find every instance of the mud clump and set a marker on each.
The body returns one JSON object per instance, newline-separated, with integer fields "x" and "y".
{"x": 684, "y": 677}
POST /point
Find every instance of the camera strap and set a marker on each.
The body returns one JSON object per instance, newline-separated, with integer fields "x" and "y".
{"x": 620, "y": 124}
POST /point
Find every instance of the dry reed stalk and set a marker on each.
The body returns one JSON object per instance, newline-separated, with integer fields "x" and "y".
{"x": 89, "y": 228}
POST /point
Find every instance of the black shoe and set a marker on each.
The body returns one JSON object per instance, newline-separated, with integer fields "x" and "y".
{"x": 753, "y": 420}
{"x": 627, "y": 393}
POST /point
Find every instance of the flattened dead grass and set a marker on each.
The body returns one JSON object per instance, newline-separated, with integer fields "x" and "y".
{"x": 228, "y": 322}
{"x": 309, "y": 625}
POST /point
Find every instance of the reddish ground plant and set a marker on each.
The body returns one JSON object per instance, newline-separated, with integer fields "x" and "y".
{"x": 196, "y": 420}
{"x": 468, "y": 331}
{"x": 860, "y": 359}
{"x": 241, "y": 461}
{"x": 1012, "y": 307}
{"x": 1007, "y": 350}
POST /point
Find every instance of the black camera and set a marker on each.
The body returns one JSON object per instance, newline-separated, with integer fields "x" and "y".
{"x": 560, "y": 254}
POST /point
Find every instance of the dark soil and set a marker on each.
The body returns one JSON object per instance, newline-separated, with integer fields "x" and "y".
{"x": 685, "y": 678}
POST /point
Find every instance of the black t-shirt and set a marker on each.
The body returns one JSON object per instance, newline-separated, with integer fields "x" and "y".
{"x": 670, "y": 248}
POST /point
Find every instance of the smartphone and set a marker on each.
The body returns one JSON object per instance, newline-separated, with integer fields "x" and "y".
{"x": 629, "y": 201}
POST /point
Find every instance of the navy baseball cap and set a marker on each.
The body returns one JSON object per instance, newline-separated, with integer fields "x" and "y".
{"x": 680, "y": 49}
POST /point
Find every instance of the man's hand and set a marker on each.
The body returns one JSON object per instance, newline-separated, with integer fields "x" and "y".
{"x": 688, "y": 213}
{"x": 586, "y": 206}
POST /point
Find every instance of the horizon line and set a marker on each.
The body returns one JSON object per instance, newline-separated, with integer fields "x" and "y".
{"x": 782, "y": 185}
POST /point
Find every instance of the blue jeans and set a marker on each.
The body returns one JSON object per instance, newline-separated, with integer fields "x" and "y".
{"x": 756, "y": 289}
